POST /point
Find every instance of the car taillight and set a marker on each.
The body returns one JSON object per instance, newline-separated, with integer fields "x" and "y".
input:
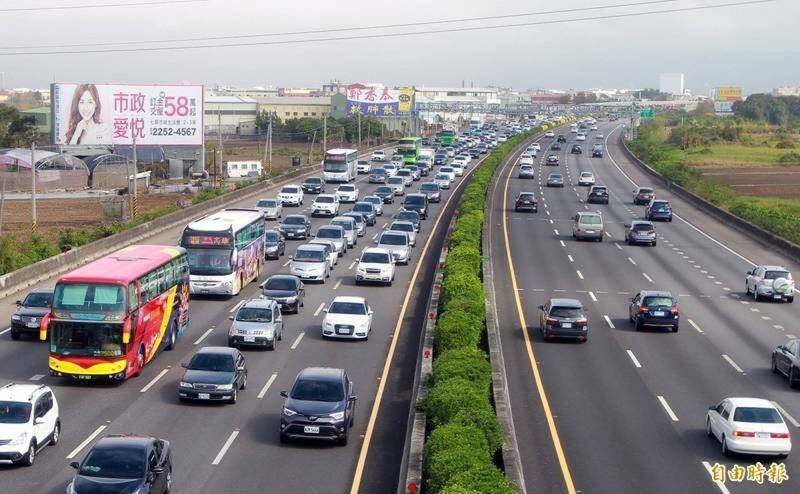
{"x": 643, "y": 310}
{"x": 550, "y": 320}
{"x": 780, "y": 435}
{"x": 582, "y": 322}
{"x": 743, "y": 434}
{"x": 675, "y": 311}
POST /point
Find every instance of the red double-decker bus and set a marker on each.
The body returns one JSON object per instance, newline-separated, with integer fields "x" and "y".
{"x": 112, "y": 316}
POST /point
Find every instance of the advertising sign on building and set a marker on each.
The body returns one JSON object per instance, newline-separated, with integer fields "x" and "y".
{"x": 724, "y": 97}
{"x": 377, "y": 100}
{"x": 108, "y": 114}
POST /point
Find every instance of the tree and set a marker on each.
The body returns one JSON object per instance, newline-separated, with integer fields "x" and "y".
{"x": 15, "y": 130}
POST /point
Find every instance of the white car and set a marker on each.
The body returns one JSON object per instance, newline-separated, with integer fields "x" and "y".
{"x": 291, "y": 195}
{"x": 599, "y": 136}
{"x": 770, "y": 282}
{"x": 391, "y": 169}
{"x": 573, "y": 130}
{"x": 333, "y": 256}
{"x": 347, "y": 193}
{"x": 408, "y": 177}
{"x": 377, "y": 203}
{"x": 272, "y": 208}
{"x": 348, "y": 224}
{"x": 310, "y": 263}
{"x": 397, "y": 159}
{"x": 750, "y": 426}
{"x": 405, "y": 226}
{"x": 536, "y": 146}
{"x": 347, "y": 317}
{"x": 398, "y": 244}
{"x": 29, "y": 421}
{"x": 325, "y": 204}
{"x": 580, "y": 137}
{"x": 398, "y": 185}
{"x": 449, "y": 171}
{"x": 526, "y": 159}
{"x": 593, "y": 127}
{"x": 375, "y": 265}
{"x": 378, "y": 155}
{"x": 442, "y": 180}
{"x": 502, "y": 138}
{"x": 586, "y": 178}
{"x": 550, "y": 134}
{"x": 363, "y": 166}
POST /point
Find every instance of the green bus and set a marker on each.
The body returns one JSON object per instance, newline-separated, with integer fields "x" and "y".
{"x": 447, "y": 137}
{"x": 409, "y": 148}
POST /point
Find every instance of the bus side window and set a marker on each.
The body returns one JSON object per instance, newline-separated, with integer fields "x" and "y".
{"x": 133, "y": 301}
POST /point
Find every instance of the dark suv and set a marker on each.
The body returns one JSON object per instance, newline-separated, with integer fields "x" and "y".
{"x": 28, "y": 317}
{"x": 320, "y": 405}
{"x": 654, "y": 308}
{"x": 576, "y": 149}
{"x": 313, "y": 185}
{"x": 659, "y": 209}
{"x": 563, "y": 318}
{"x": 526, "y": 201}
{"x": 597, "y": 194}
{"x": 418, "y": 203}
{"x": 786, "y": 361}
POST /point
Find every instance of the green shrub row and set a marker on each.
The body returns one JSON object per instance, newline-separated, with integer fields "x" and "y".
{"x": 466, "y": 433}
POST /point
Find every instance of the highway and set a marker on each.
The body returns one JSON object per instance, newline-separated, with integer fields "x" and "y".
{"x": 235, "y": 448}
{"x": 625, "y": 411}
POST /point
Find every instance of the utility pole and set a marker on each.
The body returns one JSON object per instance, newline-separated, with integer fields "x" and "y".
{"x": 359, "y": 130}
{"x": 219, "y": 137}
{"x": 266, "y": 143}
{"x": 311, "y": 148}
{"x": 2, "y": 204}
{"x": 135, "y": 204}
{"x": 33, "y": 187}
{"x": 269, "y": 144}
{"x": 324, "y": 133}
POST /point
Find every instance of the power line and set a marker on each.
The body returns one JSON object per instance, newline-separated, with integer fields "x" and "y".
{"x": 394, "y": 35}
{"x": 99, "y": 6}
{"x": 344, "y": 29}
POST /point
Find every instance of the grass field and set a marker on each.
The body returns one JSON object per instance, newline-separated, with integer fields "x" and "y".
{"x": 736, "y": 155}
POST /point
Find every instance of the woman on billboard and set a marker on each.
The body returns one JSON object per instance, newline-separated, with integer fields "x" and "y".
{"x": 86, "y": 125}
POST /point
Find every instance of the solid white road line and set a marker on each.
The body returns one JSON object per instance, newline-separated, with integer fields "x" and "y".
{"x": 266, "y": 386}
{"x": 287, "y": 263}
{"x": 580, "y": 275}
{"x": 608, "y": 321}
{"x": 203, "y": 336}
{"x": 667, "y": 408}
{"x": 297, "y": 341}
{"x": 634, "y": 359}
{"x": 632, "y": 261}
{"x": 591, "y": 295}
{"x": 236, "y": 307}
{"x": 338, "y": 283}
{"x": 695, "y": 326}
{"x": 36, "y": 377}
{"x": 5, "y": 330}
{"x": 374, "y": 236}
{"x": 351, "y": 265}
{"x": 786, "y": 415}
{"x": 648, "y": 278}
{"x": 154, "y": 380}
{"x": 225, "y": 447}
{"x": 733, "y": 364}
{"x": 85, "y": 442}
{"x": 570, "y": 258}
{"x": 319, "y": 309}
{"x": 719, "y": 484}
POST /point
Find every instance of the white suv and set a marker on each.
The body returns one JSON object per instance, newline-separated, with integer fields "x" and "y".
{"x": 770, "y": 282}
{"x": 29, "y": 421}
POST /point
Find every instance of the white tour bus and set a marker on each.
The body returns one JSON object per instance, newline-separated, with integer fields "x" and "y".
{"x": 226, "y": 251}
{"x": 340, "y": 165}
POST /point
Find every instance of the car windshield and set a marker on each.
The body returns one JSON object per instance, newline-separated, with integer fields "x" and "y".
{"x": 554, "y": 176}
{"x": 212, "y": 362}
{"x": 313, "y": 181}
{"x": 590, "y": 220}
{"x": 642, "y": 227}
{"x": 383, "y": 190}
{"x": 757, "y": 415}
{"x": 393, "y": 239}
{"x": 645, "y": 190}
{"x": 289, "y": 190}
{"x": 375, "y": 257}
{"x": 354, "y": 308}
{"x": 294, "y": 220}
{"x": 658, "y": 301}
{"x": 266, "y": 203}
{"x": 254, "y": 314}
{"x": 429, "y": 188}
{"x": 525, "y": 197}
{"x": 346, "y": 188}
{"x": 14, "y": 412}
{"x": 415, "y": 200}
{"x": 373, "y": 199}
{"x": 308, "y": 390}
{"x": 404, "y": 172}
{"x": 280, "y": 284}
{"x": 308, "y": 255}
{"x": 659, "y": 206}
{"x": 357, "y": 217}
{"x": 115, "y": 463}
{"x": 587, "y": 175}
{"x": 367, "y": 208}
{"x": 411, "y": 216}
{"x": 396, "y": 180}
{"x": 446, "y": 169}
{"x": 347, "y": 225}
{"x": 38, "y": 300}
{"x": 402, "y": 227}
{"x": 376, "y": 153}
{"x": 325, "y": 199}
{"x": 569, "y": 312}
{"x": 526, "y": 168}
{"x": 774, "y": 275}
{"x": 442, "y": 176}
{"x": 272, "y": 236}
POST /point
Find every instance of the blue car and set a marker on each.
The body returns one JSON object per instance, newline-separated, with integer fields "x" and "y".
{"x": 659, "y": 210}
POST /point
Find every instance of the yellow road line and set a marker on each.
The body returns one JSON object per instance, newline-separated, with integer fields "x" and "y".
{"x": 562, "y": 460}
{"x": 362, "y": 457}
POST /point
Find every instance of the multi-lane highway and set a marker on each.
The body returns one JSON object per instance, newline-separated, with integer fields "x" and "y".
{"x": 625, "y": 411}
{"x": 235, "y": 448}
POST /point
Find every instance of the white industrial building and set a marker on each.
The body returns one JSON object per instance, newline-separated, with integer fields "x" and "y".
{"x": 230, "y": 115}
{"x": 458, "y": 100}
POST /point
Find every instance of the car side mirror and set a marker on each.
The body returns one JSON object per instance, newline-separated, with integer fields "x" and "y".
{"x": 541, "y": 307}
{"x": 184, "y": 365}
{"x": 352, "y": 397}
{"x": 38, "y": 421}
{"x": 370, "y": 312}
{"x": 712, "y": 407}
{"x": 325, "y": 310}
{"x": 627, "y": 225}
{"x": 291, "y": 258}
{"x": 230, "y": 318}
{"x": 158, "y": 470}
{"x": 241, "y": 368}
{"x": 18, "y": 302}
{"x": 74, "y": 464}
{"x": 284, "y": 394}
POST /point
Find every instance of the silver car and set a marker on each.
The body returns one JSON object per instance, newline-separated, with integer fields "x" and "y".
{"x": 258, "y": 322}
{"x": 770, "y": 282}
{"x": 405, "y": 226}
{"x": 588, "y": 225}
{"x": 272, "y": 208}
{"x": 349, "y": 226}
{"x": 397, "y": 184}
{"x": 377, "y": 202}
{"x": 310, "y": 262}
{"x": 335, "y": 234}
{"x": 330, "y": 250}
{"x": 398, "y": 244}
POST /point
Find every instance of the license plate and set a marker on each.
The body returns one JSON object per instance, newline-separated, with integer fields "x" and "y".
{"x": 659, "y": 313}
{"x": 311, "y": 429}
{"x": 342, "y": 331}
{"x": 204, "y": 396}
{"x": 589, "y": 231}
{"x": 776, "y": 296}
{"x": 249, "y": 339}
{"x": 763, "y": 435}
{"x": 36, "y": 324}
{"x": 566, "y": 325}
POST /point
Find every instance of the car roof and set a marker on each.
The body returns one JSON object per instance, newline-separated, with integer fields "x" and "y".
{"x": 394, "y": 232}
{"x": 218, "y": 350}
{"x": 526, "y": 192}
{"x": 350, "y": 299}
{"x": 333, "y": 196}
{"x": 402, "y": 222}
{"x": 347, "y": 219}
{"x": 415, "y": 195}
{"x": 378, "y": 250}
{"x": 21, "y": 392}
{"x": 590, "y": 213}
{"x": 294, "y": 216}
{"x": 774, "y": 268}
{"x": 641, "y": 222}
{"x": 656, "y": 293}
{"x": 750, "y": 402}
{"x": 566, "y": 302}
{"x": 284, "y": 277}
{"x": 314, "y": 247}
{"x": 114, "y": 441}
{"x": 48, "y": 291}
{"x": 660, "y": 200}
{"x": 320, "y": 374}
{"x": 257, "y": 303}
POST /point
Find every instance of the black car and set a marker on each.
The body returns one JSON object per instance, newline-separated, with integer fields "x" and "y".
{"x": 597, "y": 194}
{"x": 786, "y": 361}
{"x": 28, "y": 317}
{"x": 418, "y": 203}
{"x": 426, "y": 141}
{"x": 320, "y": 405}
{"x": 313, "y": 185}
{"x": 526, "y": 201}
{"x": 285, "y": 289}
{"x": 295, "y": 226}
{"x": 409, "y": 215}
{"x": 597, "y": 152}
{"x": 424, "y": 168}
{"x": 556, "y": 146}
{"x": 386, "y": 194}
{"x": 367, "y": 209}
{"x": 552, "y": 160}
{"x": 654, "y": 308}
{"x": 440, "y": 159}
{"x": 561, "y": 138}
{"x": 275, "y": 244}
{"x": 659, "y": 209}
{"x": 215, "y": 373}
{"x": 475, "y": 153}
{"x": 576, "y": 149}
{"x": 124, "y": 464}
{"x": 563, "y": 318}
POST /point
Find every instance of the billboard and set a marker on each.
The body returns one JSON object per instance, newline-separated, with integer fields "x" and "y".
{"x": 108, "y": 114}
{"x": 728, "y": 93}
{"x": 377, "y": 100}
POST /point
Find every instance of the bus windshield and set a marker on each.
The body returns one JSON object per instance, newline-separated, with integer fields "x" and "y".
{"x": 79, "y": 338}
{"x": 207, "y": 262}
{"x": 89, "y": 297}
{"x": 336, "y": 166}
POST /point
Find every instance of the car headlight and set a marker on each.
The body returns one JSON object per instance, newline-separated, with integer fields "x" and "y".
{"x": 337, "y": 415}
{"x": 16, "y": 317}
{"x": 20, "y": 440}
{"x": 186, "y": 385}
{"x": 270, "y": 333}
{"x": 225, "y": 387}
{"x": 328, "y": 324}
{"x": 288, "y": 412}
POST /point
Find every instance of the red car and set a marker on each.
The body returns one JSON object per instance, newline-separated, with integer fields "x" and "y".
{"x": 643, "y": 195}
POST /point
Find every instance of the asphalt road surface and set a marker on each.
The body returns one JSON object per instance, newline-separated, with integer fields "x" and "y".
{"x": 625, "y": 411}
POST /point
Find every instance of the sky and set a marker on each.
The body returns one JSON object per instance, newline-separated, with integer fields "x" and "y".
{"x": 754, "y": 46}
